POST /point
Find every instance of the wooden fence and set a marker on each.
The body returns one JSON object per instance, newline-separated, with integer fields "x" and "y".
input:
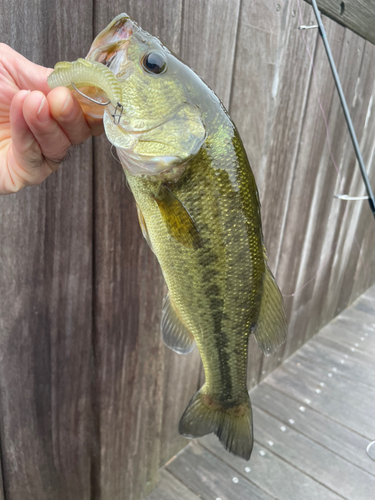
{"x": 89, "y": 396}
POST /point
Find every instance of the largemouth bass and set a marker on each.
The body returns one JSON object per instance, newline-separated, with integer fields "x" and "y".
{"x": 199, "y": 211}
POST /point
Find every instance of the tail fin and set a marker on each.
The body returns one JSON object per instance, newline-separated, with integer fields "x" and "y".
{"x": 233, "y": 426}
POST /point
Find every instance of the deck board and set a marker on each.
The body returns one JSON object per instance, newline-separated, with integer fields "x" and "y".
{"x": 314, "y": 425}
{"x": 313, "y": 419}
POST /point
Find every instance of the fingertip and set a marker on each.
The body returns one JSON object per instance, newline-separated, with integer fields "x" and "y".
{"x": 17, "y": 120}
{"x": 67, "y": 111}
{"x": 97, "y": 129}
{"x": 18, "y": 100}
{"x": 61, "y": 103}
{"x": 35, "y": 109}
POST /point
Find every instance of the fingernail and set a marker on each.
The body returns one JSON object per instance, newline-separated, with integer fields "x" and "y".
{"x": 65, "y": 109}
{"x": 42, "y": 113}
{"x": 23, "y": 93}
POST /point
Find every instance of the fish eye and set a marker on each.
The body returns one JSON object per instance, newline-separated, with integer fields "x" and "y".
{"x": 154, "y": 62}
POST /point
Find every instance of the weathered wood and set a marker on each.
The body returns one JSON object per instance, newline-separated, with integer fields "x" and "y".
{"x": 312, "y": 424}
{"x": 323, "y": 272}
{"x": 46, "y": 291}
{"x": 312, "y": 459}
{"x": 170, "y": 488}
{"x": 343, "y": 389}
{"x": 210, "y": 477}
{"x": 330, "y": 401}
{"x": 351, "y": 338}
{"x": 208, "y": 42}
{"x": 360, "y": 356}
{"x": 357, "y": 15}
{"x": 277, "y": 477}
{"x": 346, "y": 365}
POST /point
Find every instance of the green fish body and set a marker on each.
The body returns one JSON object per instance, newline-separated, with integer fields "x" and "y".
{"x": 199, "y": 211}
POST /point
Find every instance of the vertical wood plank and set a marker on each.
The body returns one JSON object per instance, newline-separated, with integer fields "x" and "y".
{"x": 46, "y": 291}
{"x": 209, "y": 40}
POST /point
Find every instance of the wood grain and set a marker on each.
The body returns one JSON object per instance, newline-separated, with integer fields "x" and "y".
{"x": 46, "y": 291}
{"x": 170, "y": 488}
{"x": 211, "y": 24}
{"x": 327, "y": 468}
{"x": 210, "y": 477}
{"x": 279, "y": 479}
{"x": 317, "y": 427}
{"x": 322, "y": 272}
{"x": 357, "y": 15}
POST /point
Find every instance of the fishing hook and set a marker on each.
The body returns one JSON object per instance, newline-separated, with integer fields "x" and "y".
{"x": 118, "y": 110}
{"x": 90, "y": 98}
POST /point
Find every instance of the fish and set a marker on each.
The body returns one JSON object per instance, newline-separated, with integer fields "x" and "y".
{"x": 199, "y": 211}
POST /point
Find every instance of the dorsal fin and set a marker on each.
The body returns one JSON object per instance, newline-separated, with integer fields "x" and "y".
{"x": 175, "y": 334}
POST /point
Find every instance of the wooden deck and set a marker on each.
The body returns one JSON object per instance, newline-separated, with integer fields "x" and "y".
{"x": 313, "y": 419}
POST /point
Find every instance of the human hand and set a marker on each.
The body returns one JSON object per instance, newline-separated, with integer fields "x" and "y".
{"x": 37, "y": 125}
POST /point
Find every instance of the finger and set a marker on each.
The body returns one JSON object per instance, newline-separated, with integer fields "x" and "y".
{"x": 24, "y": 158}
{"x": 26, "y": 74}
{"x": 93, "y": 114}
{"x": 53, "y": 142}
{"x": 96, "y": 127}
{"x": 68, "y": 114}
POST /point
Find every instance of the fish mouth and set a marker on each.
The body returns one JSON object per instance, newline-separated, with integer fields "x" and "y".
{"x": 110, "y": 46}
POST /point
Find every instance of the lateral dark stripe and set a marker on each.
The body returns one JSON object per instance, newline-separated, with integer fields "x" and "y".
{"x": 207, "y": 258}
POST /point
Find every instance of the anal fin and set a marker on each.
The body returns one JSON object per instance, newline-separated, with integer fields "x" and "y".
{"x": 270, "y": 331}
{"x": 175, "y": 334}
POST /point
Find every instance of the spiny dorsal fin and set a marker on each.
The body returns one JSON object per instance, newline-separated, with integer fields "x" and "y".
{"x": 271, "y": 327}
{"x": 179, "y": 222}
{"x": 175, "y": 334}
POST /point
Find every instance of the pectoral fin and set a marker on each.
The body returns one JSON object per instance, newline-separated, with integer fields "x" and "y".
{"x": 178, "y": 220}
{"x": 175, "y": 334}
{"x": 271, "y": 328}
{"x": 142, "y": 223}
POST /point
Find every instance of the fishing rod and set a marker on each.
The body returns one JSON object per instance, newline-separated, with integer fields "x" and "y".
{"x": 349, "y": 122}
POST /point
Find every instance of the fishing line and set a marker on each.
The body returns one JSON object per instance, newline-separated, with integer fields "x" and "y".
{"x": 329, "y": 143}
{"x": 113, "y": 156}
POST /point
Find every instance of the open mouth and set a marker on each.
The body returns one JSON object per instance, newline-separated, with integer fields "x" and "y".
{"x": 109, "y": 47}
